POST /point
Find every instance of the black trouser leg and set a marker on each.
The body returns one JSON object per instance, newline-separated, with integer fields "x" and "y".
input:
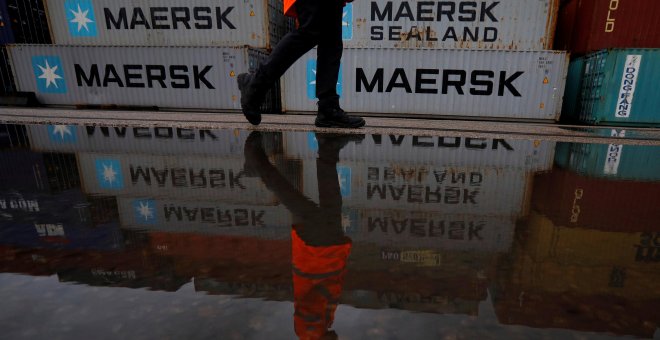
{"x": 329, "y": 55}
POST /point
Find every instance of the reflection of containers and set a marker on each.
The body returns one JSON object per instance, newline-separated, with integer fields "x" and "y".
{"x": 258, "y": 24}
{"x": 616, "y": 161}
{"x": 591, "y": 25}
{"x": 446, "y": 151}
{"x": 616, "y": 87}
{"x": 434, "y": 230}
{"x": 145, "y": 140}
{"x": 23, "y": 171}
{"x": 441, "y": 189}
{"x": 486, "y": 84}
{"x": 168, "y": 77}
{"x": 573, "y": 200}
{"x": 207, "y": 218}
{"x": 500, "y": 25}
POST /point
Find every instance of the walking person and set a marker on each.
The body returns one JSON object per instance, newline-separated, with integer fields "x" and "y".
{"x": 320, "y": 24}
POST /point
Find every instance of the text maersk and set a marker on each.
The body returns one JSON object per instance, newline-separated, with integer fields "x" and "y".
{"x": 475, "y": 13}
{"x": 165, "y": 18}
{"x": 143, "y": 76}
{"x": 425, "y": 81}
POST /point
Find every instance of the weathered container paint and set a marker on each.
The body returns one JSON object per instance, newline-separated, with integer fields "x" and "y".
{"x": 434, "y": 230}
{"x": 617, "y": 87}
{"x": 573, "y": 200}
{"x": 255, "y": 23}
{"x": 205, "y": 217}
{"x": 168, "y": 77}
{"x": 485, "y": 84}
{"x": 500, "y": 25}
{"x": 145, "y": 140}
{"x": 531, "y": 155}
{"x": 590, "y": 25}
{"x": 429, "y": 187}
{"x": 616, "y": 161}
{"x": 174, "y": 177}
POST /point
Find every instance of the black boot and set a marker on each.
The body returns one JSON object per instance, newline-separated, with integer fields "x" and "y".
{"x": 334, "y": 116}
{"x": 251, "y": 98}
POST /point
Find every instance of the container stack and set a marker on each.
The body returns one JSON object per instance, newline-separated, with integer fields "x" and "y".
{"x": 486, "y": 59}
{"x": 616, "y": 61}
{"x": 149, "y": 53}
{"x": 21, "y": 21}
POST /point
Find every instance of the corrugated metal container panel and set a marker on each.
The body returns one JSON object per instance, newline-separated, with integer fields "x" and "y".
{"x": 434, "y": 230}
{"x": 175, "y": 177}
{"x": 617, "y": 161}
{"x": 255, "y": 23}
{"x": 438, "y": 188}
{"x": 573, "y": 200}
{"x": 618, "y": 87}
{"x": 27, "y": 21}
{"x": 6, "y": 35}
{"x": 590, "y": 25}
{"x": 206, "y": 218}
{"x": 488, "y": 84}
{"x": 22, "y": 170}
{"x": 530, "y": 155}
{"x": 146, "y": 140}
{"x": 501, "y": 25}
{"x": 570, "y": 107}
{"x": 168, "y": 77}
{"x": 6, "y": 77}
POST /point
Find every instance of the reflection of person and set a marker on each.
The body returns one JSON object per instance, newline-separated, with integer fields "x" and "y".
{"x": 320, "y": 23}
{"x": 319, "y": 247}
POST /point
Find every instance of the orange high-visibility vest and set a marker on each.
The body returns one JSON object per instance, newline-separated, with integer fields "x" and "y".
{"x": 318, "y": 278}
{"x": 289, "y": 10}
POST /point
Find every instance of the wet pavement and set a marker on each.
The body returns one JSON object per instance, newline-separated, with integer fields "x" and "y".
{"x": 164, "y": 230}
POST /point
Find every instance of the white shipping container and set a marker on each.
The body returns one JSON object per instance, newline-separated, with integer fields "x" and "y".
{"x": 490, "y": 24}
{"x": 430, "y": 188}
{"x": 465, "y": 83}
{"x": 144, "y": 140}
{"x": 434, "y": 230}
{"x": 174, "y": 177}
{"x": 205, "y": 217}
{"x": 530, "y": 155}
{"x": 256, "y": 23}
{"x": 167, "y": 77}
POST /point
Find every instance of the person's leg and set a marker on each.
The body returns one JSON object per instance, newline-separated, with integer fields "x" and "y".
{"x": 253, "y": 87}
{"x": 329, "y": 55}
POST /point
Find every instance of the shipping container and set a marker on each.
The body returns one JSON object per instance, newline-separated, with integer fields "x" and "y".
{"x": 25, "y": 22}
{"x": 573, "y": 200}
{"x": 499, "y": 25}
{"x": 163, "y": 140}
{"x": 617, "y": 87}
{"x": 529, "y": 155}
{"x": 205, "y": 217}
{"x": 173, "y": 177}
{"x": 434, "y": 230}
{"x": 23, "y": 170}
{"x": 590, "y": 25}
{"x": 484, "y": 84}
{"x": 165, "y": 77}
{"x": 614, "y": 161}
{"x": 6, "y": 77}
{"x": 432, "y": 188}
{"x": 230, "y": 23}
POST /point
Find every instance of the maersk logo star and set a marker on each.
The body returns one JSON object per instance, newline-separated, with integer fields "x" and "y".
{"x": 108, "y": 174}
{"x": 145, "y": 211}
{"x": 347, "y": 22}
{"x": 81, "y": 19}
{"x": 311, "y": 79}
{"x": 49, "y": 74}
{"x": 62, "y": 133}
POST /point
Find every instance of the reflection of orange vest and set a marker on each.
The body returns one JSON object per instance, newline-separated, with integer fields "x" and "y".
{"x": 318, "y": 277}
{"x": 289, "y": 10}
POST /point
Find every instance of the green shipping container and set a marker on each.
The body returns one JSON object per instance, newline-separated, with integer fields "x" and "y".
{"x": 614, "y": 161}
{"x": 615, "y": 87}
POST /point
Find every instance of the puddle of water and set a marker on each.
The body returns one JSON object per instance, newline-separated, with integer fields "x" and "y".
{"x": 176, "y": 232}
